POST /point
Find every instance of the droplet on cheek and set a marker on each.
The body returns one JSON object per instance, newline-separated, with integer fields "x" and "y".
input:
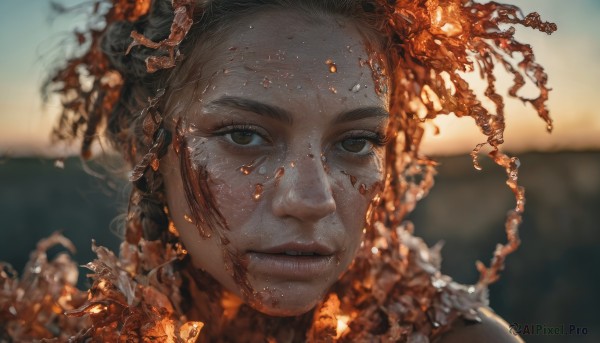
{"x": 249, "y": 168}
{"x": 332, "y": 89}
{"x": 266, "y": 83}
{"x": 355, "y": 88}
{"x": 362, "y": 189}
{"x": 258, "y": 190}
{"x": 262, "y": 170}
{"x": 331, "y": 65}
{"x": 278, "y": 174}
{"x": 352, "y": 178}
{"x": 292, "y": 164}
{"x": 188, "y": 218}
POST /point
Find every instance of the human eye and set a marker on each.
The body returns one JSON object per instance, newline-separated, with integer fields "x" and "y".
{"x": 242, "y": 135}
{"x": 362, "y": 143}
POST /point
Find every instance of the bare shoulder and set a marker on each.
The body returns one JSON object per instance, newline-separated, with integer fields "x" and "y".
{"x": 492, "y": 329}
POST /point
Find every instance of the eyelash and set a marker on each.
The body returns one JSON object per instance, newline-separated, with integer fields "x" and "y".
{"x": 226, "y": 128}
{"x": 378, "y": 139}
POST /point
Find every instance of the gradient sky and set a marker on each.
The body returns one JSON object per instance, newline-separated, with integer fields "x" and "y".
{"x": 30, "y": 39}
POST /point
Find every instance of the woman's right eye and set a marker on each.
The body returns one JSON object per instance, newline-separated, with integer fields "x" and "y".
{"x": 244, "y": 138}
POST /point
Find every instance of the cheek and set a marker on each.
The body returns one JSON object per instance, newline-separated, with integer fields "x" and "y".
{"x": 239, "y": 187}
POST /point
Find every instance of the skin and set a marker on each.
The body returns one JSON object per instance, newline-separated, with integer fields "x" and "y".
{"x": 324, "y": 137}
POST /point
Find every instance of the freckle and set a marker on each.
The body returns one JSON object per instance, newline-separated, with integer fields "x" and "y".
{"x": 311, "y": 156}
{"x": 224, "y": 240}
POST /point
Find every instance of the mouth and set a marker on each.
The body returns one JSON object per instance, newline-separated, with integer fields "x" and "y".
{"x": 300, "y": 253}
{"x": 292, "y": 261}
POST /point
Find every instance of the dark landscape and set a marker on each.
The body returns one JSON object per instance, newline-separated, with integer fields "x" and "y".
{"x": 551, "y": 280}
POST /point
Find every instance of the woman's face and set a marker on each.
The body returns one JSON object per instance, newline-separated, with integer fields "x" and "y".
{"x": 290, "y": 130}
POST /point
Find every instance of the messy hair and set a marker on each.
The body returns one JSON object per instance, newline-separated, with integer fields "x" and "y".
{"x": 425, "y": 46}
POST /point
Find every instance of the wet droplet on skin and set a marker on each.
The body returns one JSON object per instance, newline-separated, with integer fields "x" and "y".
{"x": 362, "y": 189}
{"x": 332, "y": 89}
{"x": 352, "y": 178}
{"x": 332, "y": 66}
{"x": 262, "y": 170}
{"x": 249, "y": 168}
{"x": 188, "y": 219}
{"x": 266, "y": 83}
{"x": 298, "y": 87}
{"x": 258, "y": 189}
{"x": 245, "y": 169}
{"x": 250, "y": 27}
{"x": 355, "y": 88}
{"x": 279, "y": 172}
{"x": 292, "y": 164}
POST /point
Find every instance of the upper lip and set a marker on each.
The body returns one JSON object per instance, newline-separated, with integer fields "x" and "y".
{"x": 309, "y": 247}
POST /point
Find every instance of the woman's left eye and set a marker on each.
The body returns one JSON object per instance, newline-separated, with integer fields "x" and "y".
{"x": 359, "y": 146}
{"x": 244, "y": 138}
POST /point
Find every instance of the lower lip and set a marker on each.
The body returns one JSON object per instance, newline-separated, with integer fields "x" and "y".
{"x": 290, "y": 267}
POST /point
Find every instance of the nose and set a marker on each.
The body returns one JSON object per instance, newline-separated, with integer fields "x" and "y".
{"x": 304, "y": 192}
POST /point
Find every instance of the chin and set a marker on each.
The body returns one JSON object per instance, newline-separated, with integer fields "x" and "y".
{"x": 284, "y": 309}
{"x": 288, "y": 299}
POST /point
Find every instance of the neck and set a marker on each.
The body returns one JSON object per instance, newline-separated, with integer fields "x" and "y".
{"x": 227, "y": 318}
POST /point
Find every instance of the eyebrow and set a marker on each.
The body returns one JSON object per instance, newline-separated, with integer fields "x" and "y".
{"x": 254, "y": 106}
{"x": 285, "y": 116}
{"x": 362, "y": 113}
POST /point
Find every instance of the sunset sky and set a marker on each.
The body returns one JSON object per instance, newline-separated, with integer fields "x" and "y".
{"x": 30, "y": 38}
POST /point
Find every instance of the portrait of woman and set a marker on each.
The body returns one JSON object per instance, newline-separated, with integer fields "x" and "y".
{"x": 273, "y": 155}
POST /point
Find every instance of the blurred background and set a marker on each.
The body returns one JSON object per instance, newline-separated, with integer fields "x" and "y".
{"x": 551, "y": 280}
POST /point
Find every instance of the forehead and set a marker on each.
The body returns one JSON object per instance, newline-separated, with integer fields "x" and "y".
{"x": 291, "y": 59}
